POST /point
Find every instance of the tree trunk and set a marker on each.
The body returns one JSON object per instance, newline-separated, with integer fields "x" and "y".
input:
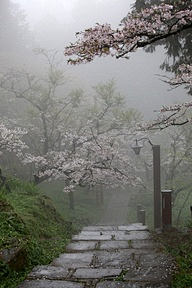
{"x": 99, "y": 196}
{"x": 71, "y": 201}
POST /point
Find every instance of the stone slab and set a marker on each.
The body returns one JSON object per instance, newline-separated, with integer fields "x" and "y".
{"x": 98, "y": 237}
{"x": 143, "y": 244}
{"x": 96, "y": 273}
{"x": 116, "y": 235}
{"x": 151, "y": 274}
{"x": 122, "y": 284}
{"x": 50, "y": 284}
{"x": 110, "y": 245}
{"x": 129, "y": 259}
{"x": 129, "y": 244}
{"x": 155, "y": 260}
{"x": 82, "y": 246}
{"x": 73, "y": 260}
{"x": 48, "y": 272}
{"x": 100, "y": 228}
{"x": 125, "y": 259}
{"x": 113, "y": 245}
{"x": 134, "y": 227}
{"x": 105, "y": 233}
{"x": 131, "y": 227}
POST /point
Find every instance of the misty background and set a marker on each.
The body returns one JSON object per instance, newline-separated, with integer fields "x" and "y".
{"x": 53, "y": 25}
{"x": 32, "y": 24}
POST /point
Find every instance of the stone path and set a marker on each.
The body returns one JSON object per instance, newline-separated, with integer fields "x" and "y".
{"x": 106, "y": 256}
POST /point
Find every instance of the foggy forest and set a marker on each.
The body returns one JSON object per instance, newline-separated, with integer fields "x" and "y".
{"x": 80, "y": 86}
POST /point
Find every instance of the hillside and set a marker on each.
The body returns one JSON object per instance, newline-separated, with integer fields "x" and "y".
{"x": 32, "y": 232}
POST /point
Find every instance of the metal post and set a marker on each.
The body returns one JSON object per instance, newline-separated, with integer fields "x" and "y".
{"x": 157, "y": 186}
{"x": 166, "y": 210}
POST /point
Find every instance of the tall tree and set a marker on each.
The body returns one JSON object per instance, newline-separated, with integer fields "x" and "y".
{"x": 72, "y": 137}
{"x": 14, "y": 30}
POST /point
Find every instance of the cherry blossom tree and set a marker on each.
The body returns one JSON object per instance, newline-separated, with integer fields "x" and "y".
{"x": 140, "y": 29}
{"x": 137, "y": 30}
{"x": 87, "y": 162}
{"x": 177, "y": 47}
{"x": 71, "y": 136}
{"x": 38, "y": 94}
{"x": 177, "y": 114}
{"x": 10, "y": 140}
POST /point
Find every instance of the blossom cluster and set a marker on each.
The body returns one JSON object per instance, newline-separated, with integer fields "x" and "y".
{"x": 183, "y": 76}
{"x": 137, "y": 30}
{"x": 177, "y": 114}
{"x": 91, "y": 162}
{"x": 10, "y": 139}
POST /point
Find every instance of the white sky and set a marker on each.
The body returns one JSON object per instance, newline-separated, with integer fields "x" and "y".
{"x": 68, "y": 11}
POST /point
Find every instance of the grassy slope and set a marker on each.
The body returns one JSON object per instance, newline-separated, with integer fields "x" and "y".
{"x": 29, "y": 220}
{"x": 86, "y": 210}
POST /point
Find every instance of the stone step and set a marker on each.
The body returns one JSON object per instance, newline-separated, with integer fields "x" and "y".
{"x": 106, "y": 256}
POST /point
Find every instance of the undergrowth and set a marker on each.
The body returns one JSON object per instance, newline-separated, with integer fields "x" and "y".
{"x": 178, "y": 243}
{"x": 30, "y": 221}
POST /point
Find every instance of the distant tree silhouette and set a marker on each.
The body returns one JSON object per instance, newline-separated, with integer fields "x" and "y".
{"x": 14, "y": 30}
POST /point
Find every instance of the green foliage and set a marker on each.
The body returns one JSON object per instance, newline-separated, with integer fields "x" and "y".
{"x": 82, "y": 216}
{"x": 121, "y": 276}
{"x": 29, "y": 221}
{"x": 107, "y": 92}
{"x": 86, "y": 210}
{"x": 178, "y": 243}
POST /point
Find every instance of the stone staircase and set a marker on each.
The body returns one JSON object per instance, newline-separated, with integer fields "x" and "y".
{"x": 106, "y": 256}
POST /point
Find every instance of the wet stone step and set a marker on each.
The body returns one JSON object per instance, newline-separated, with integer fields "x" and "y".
{"x": 110, "y": 284}
{"x": 74, "y": 260}
{"x": 111, "y": 235}
{"x": 96, "y": 273}
{"x": 152, "y": 274}
{"x": 129, "y": 244}
{"x": 50, "y": 284}
{"x": 48, "y": 272}
{"x": 132, "y": 227}
{"x": 103, "y": 256}
{"x": 110, "y": 245}
{"x": 82, "y": 246}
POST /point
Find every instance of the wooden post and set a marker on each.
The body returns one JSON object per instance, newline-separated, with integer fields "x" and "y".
{"x": 157, "y": 186}
{"x": 166, "y": 210}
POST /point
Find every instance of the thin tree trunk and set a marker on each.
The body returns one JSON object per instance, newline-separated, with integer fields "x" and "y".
{"x": 71, "y": 201}
{"x": 181, "y": 209}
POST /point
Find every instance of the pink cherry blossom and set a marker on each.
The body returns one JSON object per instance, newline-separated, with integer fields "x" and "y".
{"x": 137, "y": 30}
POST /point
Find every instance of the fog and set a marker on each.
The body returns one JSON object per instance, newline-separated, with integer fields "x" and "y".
{"x": 54, "y": 24}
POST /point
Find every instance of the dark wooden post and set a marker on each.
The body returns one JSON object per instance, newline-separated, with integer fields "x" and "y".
{"x": 166, "y": 210}
{"x": 157, "y": 186}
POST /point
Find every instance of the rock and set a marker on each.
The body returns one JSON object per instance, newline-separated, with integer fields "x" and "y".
{"x": 15, "y": 257}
